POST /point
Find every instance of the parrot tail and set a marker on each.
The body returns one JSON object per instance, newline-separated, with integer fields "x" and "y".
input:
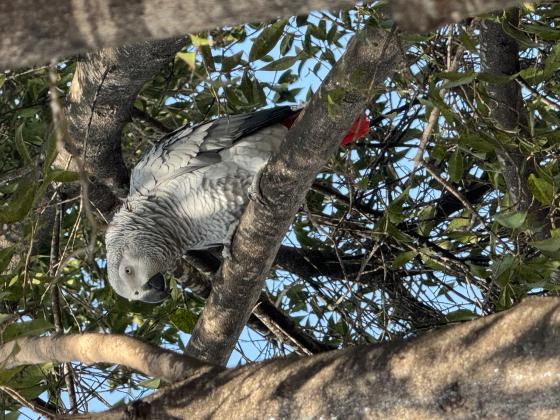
{"x": 358, "y": 130}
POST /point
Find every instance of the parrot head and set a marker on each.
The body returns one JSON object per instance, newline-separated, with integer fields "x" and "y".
{"x": 135, "y": 260}
{"x": 136, "y": 277}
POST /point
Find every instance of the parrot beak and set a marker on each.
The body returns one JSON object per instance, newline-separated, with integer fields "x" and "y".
{"x": 155, "y": 289}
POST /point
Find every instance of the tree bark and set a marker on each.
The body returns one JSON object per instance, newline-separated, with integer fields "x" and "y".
{"x": 33, "y": 32}
{"x": 99, "y": 348}
{"x": 371, "y": 57}
{"x": 503, "y": 366}
{"x": 426, "y": 15}
{"x": 104, "y": 87}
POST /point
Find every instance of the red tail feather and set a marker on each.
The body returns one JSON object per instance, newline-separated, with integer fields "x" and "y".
{"x": 359, "y": 128}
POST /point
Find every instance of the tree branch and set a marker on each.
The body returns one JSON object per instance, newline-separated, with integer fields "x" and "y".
{"x": 371, "y": 56}
{"x": 104, "y": 87}
{"x": 426, "y": 15}
{"x": 34, "y": 32}
{"x": 99, "y": 348}
{"x": 502, "y": 366}
{"x": 266, "y": 318}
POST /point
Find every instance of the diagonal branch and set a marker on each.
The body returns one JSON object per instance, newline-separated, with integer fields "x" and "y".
{"x": 266, "y": 318}
{"x": 104, "y": 87}
{"x": 371, "y": 57}
{"x": 99, "y": 348}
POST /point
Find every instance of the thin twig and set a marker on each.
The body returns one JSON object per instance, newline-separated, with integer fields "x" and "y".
{"x": 55, "y": 304}
{"x": 452, "y": 65}
{"x": 433, "y": 172}
{"x": 16, "y": 396}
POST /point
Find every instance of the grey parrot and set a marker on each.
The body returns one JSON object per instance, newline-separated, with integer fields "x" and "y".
{"x": 188, "y": 192}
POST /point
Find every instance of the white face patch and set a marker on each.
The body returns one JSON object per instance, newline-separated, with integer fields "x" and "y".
{"x": 134, "y": 279}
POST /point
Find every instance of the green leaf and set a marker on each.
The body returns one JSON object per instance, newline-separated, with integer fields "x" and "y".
{"x": 230, "y": 62}
{"x": 267, "y": 39}
{"x": 151, "y": 383}
{"x": 403, "y": 258}
{"x": 198, "y": 41}
{"x": 456, "y": 79}
{"x": 511, "y": 220}
{"x": 456, "y": 167}
{"x": 21, "y": 202}
{"x": 183, "y": 320}
{"x": 541, "y": 189}
{"x": 547, "y": 245}
{"x": 189, "y": 58}
{"x": 5, "y": 257}
{"x": 461, "y": 315}
{"x": 27, "y": 328}
{"x": 283, "y": 63}
{"x": 467, "y": 41}
{"x": 495, "y": 78}
{"x": 60, "y": 175}
{"x": 207, "y": 57}
{"x": 287, "y": 43}
{"x": 51, "y": 152}
{"x": 20, "y": 145}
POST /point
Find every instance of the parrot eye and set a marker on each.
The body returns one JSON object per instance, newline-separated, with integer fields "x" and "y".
{"x": 128, "y": 270}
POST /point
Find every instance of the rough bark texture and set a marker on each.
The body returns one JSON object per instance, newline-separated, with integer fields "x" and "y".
{"x": 371, "y": 56}
{"x": 503, "y": 366}
{"x": 34, "y": 31}
{"x": 99, "y": 348}
{"x": 104, "y": 87}
{"x": 425, "y": 15}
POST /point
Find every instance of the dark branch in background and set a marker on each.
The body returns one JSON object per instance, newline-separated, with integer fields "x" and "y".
{"x": 67, "y": 372}
{"x": 137, "y": 113}
{"x": 308, "y": 264}
{"x": 33, "y": 32}
{"x": 266, "y": 318}
{"x": 500, "y": 55}
{"x": 370, "y": 58}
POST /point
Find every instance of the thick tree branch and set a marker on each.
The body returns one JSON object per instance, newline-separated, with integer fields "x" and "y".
{"x": 503, "y": 366}
{"x": 99, "y": 106}
{"x": 99, "y": 348}
{"x": 371, "y": 57}
{"x": 33, "y": 32}
{"x": 426, "y": 15}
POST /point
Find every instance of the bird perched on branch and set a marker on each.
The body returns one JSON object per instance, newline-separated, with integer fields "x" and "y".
{"x": 188, "y": 192}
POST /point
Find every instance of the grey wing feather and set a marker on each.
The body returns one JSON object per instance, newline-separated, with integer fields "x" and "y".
{"x": 190, "y": 148}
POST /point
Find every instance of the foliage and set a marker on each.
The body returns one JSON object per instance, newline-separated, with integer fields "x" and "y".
{"x": 408, "y": 255}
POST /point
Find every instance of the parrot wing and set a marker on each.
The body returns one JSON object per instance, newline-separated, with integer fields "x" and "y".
{"x": 190, "y": 148}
